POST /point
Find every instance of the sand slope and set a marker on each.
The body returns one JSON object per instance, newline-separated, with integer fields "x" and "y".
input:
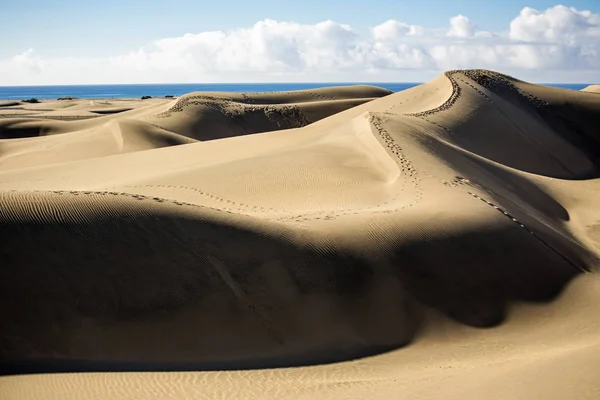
{"x": 547, "y": 351}
{"x": 592, "y": 89}
{"x": 97, "y": 128}
{"x": 411, "y": 219}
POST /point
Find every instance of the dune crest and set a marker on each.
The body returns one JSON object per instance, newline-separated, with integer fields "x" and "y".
{"x": 592, "y": 89}
{"x": 322, "y": 239}
{"x": 87, "y": 126}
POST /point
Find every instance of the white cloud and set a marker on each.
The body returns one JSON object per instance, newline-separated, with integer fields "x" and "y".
{"x": 393, "y": 29}
{"x": 267, "y": 46}
{"x": 558, "y": 24}
{"x": 28, "y": 61}
{"x": 461, "y": 27}
{"x": 537, "y": 45}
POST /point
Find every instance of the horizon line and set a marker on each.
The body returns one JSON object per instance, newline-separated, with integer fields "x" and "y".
{"x": 209, "y": 83}
{"x": 265, "y": 83}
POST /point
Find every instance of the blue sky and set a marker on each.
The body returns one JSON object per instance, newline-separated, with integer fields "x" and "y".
{"x": 46, "y": 34}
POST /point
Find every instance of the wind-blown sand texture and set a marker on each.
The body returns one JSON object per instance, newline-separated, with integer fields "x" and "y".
{"x": 395, "y": 229}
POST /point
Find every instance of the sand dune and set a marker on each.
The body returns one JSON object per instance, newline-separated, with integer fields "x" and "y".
{"x": 592, "y": 88}
{"x": 409, "y": 220}
{"x": 134, "y": 125}
{"x": 545, "y": 351}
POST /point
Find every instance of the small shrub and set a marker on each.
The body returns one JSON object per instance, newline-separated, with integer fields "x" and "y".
{"x": 31, "y": 100}
{"x": 146, "y": 97}
{"x": 67, "y": 98}
{"x": 169, "y": 96}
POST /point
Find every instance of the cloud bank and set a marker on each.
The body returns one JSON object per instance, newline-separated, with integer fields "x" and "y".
{"x": 560, "y": 44}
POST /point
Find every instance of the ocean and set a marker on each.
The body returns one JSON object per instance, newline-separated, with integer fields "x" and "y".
{"x": 160, "y": 90}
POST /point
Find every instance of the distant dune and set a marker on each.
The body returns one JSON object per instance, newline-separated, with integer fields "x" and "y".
{"x": 592, "y": 89}
{"x": 222, "y": 231}
{"x": 134, "y": 125}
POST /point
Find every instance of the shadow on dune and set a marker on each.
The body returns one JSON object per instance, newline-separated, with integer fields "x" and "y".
{"x": 12, "y": 130}
{"x": 146, "y": 288}
{"x": 473, "y": 276}
{"x": 109, "y": 111}
{"x": 576, "y": 122}
{"x": 569, "y": 114}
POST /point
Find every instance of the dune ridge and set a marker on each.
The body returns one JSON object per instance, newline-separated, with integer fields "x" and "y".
{"x": 592, "y": 89}
{"x": 329, "y": 239}
{"x": 103, "y": 127}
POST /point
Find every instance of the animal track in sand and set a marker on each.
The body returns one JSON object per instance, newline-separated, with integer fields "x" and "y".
{"x": 285, "y": 116}
{"x": 237, "y": 206}
{"x": 485, "y": 96}
{"x": 460, "y": 181}
{"x": 448, "y": 103}
{"x": 405, "y": 164}
{"x": 490, "y": 80}
{"x": 495, "y": 82}
{"x": 390, "y": 108}
{"x": 516, "y": 221}
{"x": 288, "y": 93}
{"x": 116, "y": 194}
{"x": 220, "y": 104}
{"x": 408, "y": 172}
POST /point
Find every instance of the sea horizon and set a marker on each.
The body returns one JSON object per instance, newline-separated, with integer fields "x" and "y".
{"x": 136, "y": 90}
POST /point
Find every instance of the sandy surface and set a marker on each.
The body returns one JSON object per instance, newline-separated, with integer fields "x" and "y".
{"x": 97, "y": 128}
{"x": 448, "y": 234}
{"x": 592, "y": 89}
